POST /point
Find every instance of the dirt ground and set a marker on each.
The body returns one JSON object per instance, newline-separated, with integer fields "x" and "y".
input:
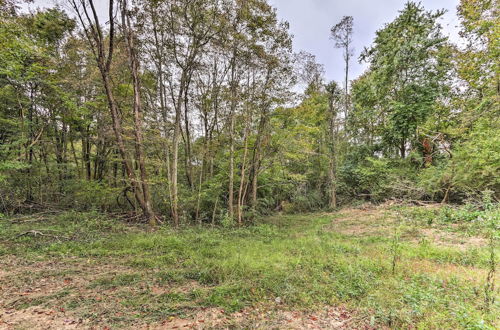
{"x": 331, "y": 318}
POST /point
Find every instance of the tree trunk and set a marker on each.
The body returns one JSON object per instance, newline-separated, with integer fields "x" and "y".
{"x": 332, "y": 178}
{"x": 134, "y": 68}
{"x": 175, "y": 156}
{"x": 187, "y": 142}
{"x": 346, "y": 95}
{"x": 332, "y": 168}
{"x": 241, "y": 197}
{"x": 231, "y": 136}
{"x": 97, "y": 42}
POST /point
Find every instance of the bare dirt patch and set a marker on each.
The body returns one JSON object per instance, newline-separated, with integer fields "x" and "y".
{"x": 451, "y": 239}
{"x": 32, "y": 295}
{"x": 364, "y": 221}
{"x": 264, "y": 318}
{"x": 38, "y": 318}
{"x": 380, "y": 221}
{"x": 445, "y": 270}
{"x": 328, "y": 318}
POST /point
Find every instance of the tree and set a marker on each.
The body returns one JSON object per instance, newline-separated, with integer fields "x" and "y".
{"x": 407, "y": 72}
{"x": 309, "y": 72}
{"x": 472, "y": 131}
{"x": 341, "y": 34}
{"x": 187, "y": 28}
{"x": 333, "y": 104}
{"x": 137, "y": 108}
{"x": 103, "y": 49}
{"x": 199, "y": 110}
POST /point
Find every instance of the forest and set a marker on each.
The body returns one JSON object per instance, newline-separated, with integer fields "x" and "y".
{"x": 170, "y": 159}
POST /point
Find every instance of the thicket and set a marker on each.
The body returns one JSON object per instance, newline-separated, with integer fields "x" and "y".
{"x": 201, "y": 96}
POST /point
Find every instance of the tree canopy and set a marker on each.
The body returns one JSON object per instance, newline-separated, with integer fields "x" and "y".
{"x": 200, "y": 111}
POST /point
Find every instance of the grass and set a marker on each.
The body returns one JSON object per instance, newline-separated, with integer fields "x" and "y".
{"x": 122, "y": 275}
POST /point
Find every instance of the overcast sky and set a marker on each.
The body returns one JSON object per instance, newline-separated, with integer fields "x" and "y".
{"x": 311, "y": 20}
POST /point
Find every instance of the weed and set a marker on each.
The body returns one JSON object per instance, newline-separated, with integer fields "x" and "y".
{"x": 395, "y": 245}
{"x": 492, "y": 219}
{"x": 301, "y": 259}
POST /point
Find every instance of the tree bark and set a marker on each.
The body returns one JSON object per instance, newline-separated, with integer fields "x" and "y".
{"x": 241, "y": 196}
{"x": 175, "y": 156}
{"x": 134, "y": 68}
{"x": 332, "y": 137}
{"x": 233, "y": 83}
{"x": 94, "y": 34}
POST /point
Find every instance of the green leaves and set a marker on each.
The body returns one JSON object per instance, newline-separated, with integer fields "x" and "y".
{"x": 405, "y": 75}
{"x": 6, "y": 166}
{"x": 477, "y": 161}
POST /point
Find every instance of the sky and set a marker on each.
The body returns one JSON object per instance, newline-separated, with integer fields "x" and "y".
{"x": 310, "y": 22}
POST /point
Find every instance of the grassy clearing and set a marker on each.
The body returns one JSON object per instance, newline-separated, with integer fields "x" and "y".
{"x": 105, "y": 272}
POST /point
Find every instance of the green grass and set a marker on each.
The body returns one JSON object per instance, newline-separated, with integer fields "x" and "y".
{"x": 302, "y": 259}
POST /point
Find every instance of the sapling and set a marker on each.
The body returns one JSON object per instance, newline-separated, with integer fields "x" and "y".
{"x": 395, "y": 244}
{"x": 492, "y": 215}
{"x": 489, "y": 289}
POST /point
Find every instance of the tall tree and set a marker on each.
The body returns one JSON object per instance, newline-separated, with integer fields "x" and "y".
{"x": 128, "y": 32}
{"x": 332, "y": 134}
{"x": 103, "y": 48}
{"x": 341, "y": 34}
{"x": 407, "y": 72}
{"x": 190, "y": 26}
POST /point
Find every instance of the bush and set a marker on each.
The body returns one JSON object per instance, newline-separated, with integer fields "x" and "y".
{"x": 87, "y": 195}
{"x": 378, "y": 179}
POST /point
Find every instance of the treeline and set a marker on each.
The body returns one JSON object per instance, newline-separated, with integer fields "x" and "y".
{"x": 187, "y": 111}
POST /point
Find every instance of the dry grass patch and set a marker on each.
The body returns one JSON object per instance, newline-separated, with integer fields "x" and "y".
{"x": 446, "y": 270}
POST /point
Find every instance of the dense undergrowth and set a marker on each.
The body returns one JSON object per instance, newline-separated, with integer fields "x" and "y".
{"x": 301, "y": 261}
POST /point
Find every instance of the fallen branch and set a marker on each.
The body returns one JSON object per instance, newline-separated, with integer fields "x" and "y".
{"x": 36, "y": 233}
{"x": 35, "y": 217}
{"x": 132, "y": 217}
{"x": 411, "y": 201}
{"x": 36, "y": 139}
{"x": 25, "y": 220}
{"x": 421, "y": 203}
